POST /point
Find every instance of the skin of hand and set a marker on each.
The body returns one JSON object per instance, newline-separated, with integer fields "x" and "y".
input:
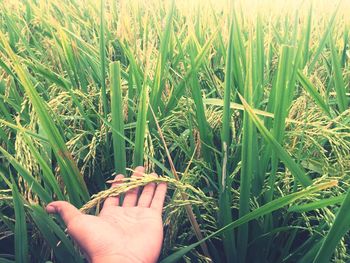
{"x": 128, "y": 232}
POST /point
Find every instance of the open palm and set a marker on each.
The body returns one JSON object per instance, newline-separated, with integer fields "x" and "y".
{"x": 131, "y": 232}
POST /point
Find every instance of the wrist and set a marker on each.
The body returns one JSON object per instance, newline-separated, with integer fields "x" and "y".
{"x": 115, "y": 259}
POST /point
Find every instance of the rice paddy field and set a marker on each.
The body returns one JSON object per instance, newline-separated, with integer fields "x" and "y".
{"x": 241, "y": 106}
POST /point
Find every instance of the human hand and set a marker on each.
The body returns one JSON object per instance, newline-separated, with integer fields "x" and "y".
{"x": 131, "y": 232}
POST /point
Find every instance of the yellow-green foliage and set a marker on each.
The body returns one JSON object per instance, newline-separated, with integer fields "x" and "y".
{"x": 252, "y": 101}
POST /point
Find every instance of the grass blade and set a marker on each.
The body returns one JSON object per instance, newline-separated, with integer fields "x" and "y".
{"x": 279, "y": 102}
{"x": 205, "y": 133}
{"x": 307, "y": 85}
{"x": 21, "y": 238}
{"x": 157, "y": 89}
{"x": 307, "y": 35}
{"x": 339, "y": 228}
{"x": 225, "y": 216}
{"x": 103, "y": 58}
{"x": 339, "y": 84}
{"x": 246, "y": 174}
{"x": 317, "y": 204}
{"x": 141, "y": 124}
{"x": 323, "y": 40}
{"x": 295, "y": 169}
{"x": 117, "y": 119}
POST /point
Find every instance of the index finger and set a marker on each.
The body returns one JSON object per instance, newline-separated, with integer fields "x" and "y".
{"x": 159, "y": 197}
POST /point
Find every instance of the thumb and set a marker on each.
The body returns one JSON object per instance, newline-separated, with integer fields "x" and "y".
{"x": 66, "y": 210}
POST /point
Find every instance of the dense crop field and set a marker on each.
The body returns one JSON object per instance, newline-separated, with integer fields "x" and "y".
{"x": 242, "y": 106}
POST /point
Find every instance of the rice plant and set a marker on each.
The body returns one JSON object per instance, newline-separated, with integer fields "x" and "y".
{"x": 242, "y": 107}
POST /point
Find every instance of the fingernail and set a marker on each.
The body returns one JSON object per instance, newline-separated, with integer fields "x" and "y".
{"x": 51, "y": 209}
